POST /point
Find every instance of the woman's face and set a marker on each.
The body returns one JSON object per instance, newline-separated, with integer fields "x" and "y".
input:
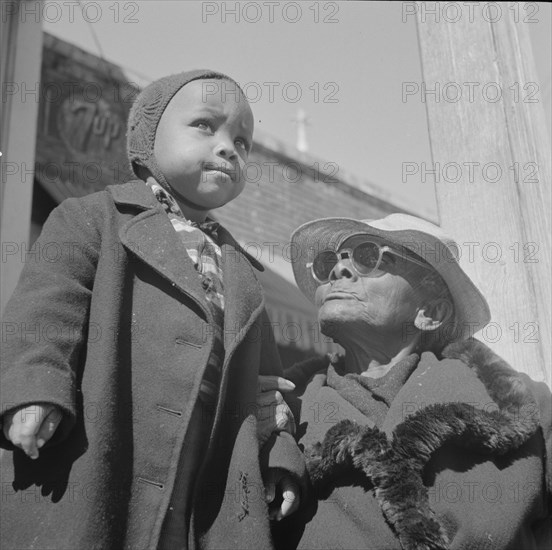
{"x": 386, "y": 303}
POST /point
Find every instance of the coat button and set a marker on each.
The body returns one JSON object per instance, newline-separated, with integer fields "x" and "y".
{"x": 173, "y": 412}
{"x": 151, "y": 482}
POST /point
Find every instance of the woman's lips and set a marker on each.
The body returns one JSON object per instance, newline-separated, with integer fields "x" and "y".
{"x": 339, "y": 295}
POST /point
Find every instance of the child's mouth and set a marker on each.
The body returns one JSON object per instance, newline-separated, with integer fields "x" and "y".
{"x": 220, "y": 170}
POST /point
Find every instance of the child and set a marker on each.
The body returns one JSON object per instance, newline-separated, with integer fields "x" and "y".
{"x": 134, "y": 390}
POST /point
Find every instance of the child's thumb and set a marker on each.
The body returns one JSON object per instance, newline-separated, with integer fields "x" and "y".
{"x": 49, "y": 426}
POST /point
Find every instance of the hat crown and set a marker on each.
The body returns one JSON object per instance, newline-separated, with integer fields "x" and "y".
{"x": 405, "y": 222}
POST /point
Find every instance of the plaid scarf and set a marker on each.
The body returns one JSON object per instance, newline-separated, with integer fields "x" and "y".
{"x": 200, "y": 242}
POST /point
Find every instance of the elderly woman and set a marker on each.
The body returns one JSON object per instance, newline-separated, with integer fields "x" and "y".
{"x": 419, "y": 436}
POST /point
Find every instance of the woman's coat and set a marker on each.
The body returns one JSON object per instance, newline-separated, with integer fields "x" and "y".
{"x": 475, "y": 489}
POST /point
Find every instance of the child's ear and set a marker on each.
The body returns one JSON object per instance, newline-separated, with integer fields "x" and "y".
{"x": 433, "y": 315}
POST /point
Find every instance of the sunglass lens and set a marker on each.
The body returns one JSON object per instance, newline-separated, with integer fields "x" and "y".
{"x": 323, "y": 265}
{"x": 365, "y": 257}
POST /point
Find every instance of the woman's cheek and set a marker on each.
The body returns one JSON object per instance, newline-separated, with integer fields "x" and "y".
{"x": 320, "y": 295}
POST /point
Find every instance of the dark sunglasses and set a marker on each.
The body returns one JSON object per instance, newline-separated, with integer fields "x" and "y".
{"x": 365, "y": 259}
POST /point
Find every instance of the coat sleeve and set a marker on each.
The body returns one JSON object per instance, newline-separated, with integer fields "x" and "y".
{"x": 46, "y": 320}
{"x": 281, "y": 449}
{"x": 301, "y": 373}
{"x": 543, "y": 397}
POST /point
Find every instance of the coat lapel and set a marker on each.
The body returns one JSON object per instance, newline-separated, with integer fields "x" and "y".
{"x": 151, "y": 237}
{"x": 432, "y": 382}
{"x": 244, "y": 298}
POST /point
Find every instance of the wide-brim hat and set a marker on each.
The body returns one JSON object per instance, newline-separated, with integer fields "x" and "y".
{"x": 425, "y": 239}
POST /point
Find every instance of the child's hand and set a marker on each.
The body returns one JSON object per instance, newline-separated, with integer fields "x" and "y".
{"x": 30, "y": 427}
{"x": 273, "y": 413}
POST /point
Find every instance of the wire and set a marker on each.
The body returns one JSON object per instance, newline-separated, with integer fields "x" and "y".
{"x": 146, "y": 78}
{"x": 94, "y": 35}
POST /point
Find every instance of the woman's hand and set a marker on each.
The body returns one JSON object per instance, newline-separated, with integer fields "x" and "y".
{"x": 273, "y": 413}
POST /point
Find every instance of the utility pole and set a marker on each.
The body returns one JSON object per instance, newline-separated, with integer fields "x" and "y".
{"x": 491, "y": 152}
{"x": 20, "y": 59}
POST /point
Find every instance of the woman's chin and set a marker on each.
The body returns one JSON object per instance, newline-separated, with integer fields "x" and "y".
{"x": 331, "y": 320}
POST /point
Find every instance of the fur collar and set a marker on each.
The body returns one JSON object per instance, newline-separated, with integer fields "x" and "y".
{"x": 395, "y": 466}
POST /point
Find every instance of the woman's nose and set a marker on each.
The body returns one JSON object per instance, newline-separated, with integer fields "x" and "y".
{"x": 343, "y": 270}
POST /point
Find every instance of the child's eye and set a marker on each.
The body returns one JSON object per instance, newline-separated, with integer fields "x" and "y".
{"x": 242, "y": 143}
{"x": 202, "y": 125}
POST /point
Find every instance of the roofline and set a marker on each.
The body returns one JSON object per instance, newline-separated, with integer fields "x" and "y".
{"x": 345, "y": 180}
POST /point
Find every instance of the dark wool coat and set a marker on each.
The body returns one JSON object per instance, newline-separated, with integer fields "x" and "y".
{"x": 459, "y": 461}
{"x": 109, "y": 321}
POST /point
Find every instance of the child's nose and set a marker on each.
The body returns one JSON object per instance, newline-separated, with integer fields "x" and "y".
{"x": 226, "y": 149}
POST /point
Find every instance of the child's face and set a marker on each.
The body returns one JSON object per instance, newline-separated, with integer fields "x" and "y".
{"x": 203, "y": 141}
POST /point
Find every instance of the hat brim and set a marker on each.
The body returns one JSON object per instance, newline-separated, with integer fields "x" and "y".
{"x": 471, "y": 308}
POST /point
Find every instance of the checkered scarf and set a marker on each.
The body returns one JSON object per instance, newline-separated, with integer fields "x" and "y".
{"x": 199, "y": 240}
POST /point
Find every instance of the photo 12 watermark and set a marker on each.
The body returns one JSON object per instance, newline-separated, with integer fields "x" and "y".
{"x": 68, "y": 91}
{"x": 270, "y": 12}
{"x": 469, "y": 172}
{"x": 88, "y": 174}
{"x": 272, "y": 91}
{"x": 455, "y": 12}
{"x": 470, "y": 92}
{"x": 70, "y": 11}
{"x": 490, "y": 492}
{"x": 492, "y": 333}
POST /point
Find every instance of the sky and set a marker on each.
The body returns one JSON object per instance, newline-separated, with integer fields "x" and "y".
{"x": 346, "y": 64}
